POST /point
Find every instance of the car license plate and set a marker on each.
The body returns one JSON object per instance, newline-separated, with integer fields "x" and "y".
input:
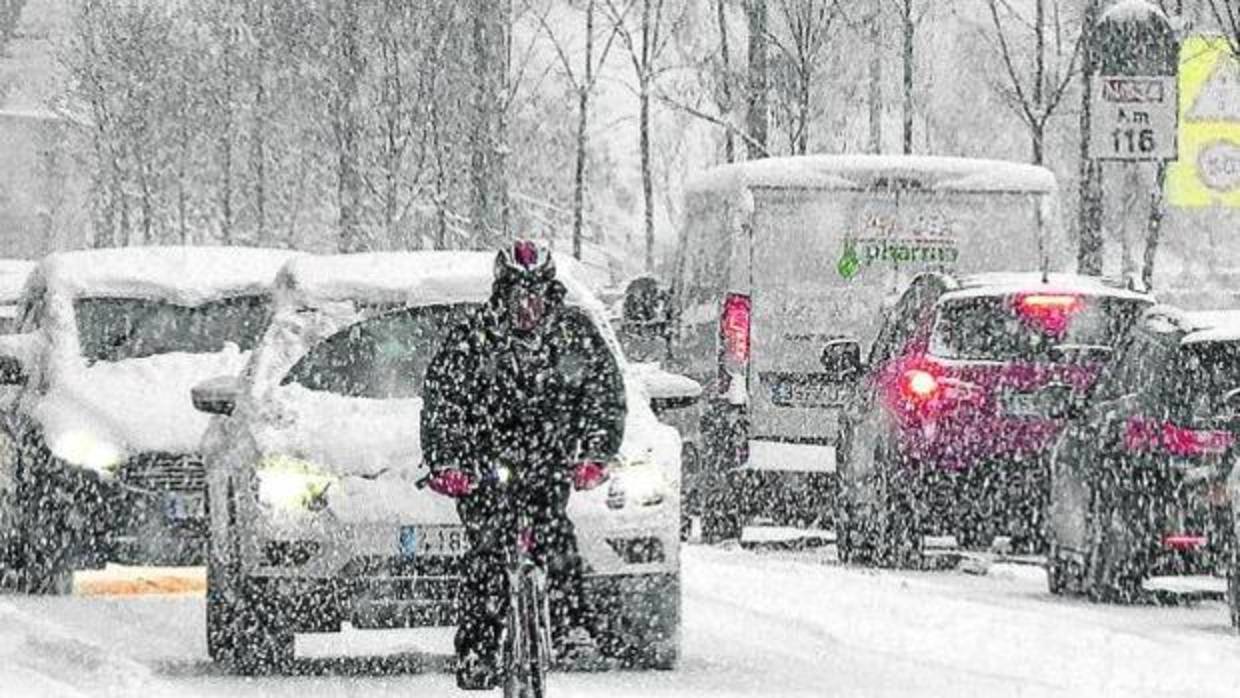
{"x": 184, "y": 507}
{"x": 1022, "y": 404}
{"x": 807, "y": 394}
{"x": 417, "y": 541}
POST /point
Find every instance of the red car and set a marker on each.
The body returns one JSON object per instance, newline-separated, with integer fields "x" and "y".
{"x": 946, "y": 433}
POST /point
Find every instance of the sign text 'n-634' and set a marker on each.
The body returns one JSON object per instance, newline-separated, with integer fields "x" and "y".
{"x": 1133, "y": 118}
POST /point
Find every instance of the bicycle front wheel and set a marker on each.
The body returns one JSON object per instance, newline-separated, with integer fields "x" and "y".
{"x": 527, "y": 647}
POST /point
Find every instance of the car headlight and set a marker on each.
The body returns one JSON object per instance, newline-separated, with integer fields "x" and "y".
{"x": 292, "y": 483}
{"x": 639, "y": 482}
{"x": 85, "y": 450}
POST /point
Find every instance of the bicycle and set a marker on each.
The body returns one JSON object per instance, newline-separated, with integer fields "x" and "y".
{"x": 526, "y": 638}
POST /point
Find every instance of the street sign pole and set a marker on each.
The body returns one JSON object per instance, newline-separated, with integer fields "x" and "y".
{"x": 1133, "y": 109}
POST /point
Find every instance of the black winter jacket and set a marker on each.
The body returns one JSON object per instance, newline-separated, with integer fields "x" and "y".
{"x": 535, "y": 404}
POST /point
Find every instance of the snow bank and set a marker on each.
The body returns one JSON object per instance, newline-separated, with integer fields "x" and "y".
{"x": 184, "y": 275}
{"x": 857, "y": 171}
{"x": 40, "y": 658}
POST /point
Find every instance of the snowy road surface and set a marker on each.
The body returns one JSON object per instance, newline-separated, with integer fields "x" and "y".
{"x": 756, "y": 624}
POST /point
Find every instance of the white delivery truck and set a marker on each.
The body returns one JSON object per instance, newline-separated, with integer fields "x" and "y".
{"x": 779, "y": 257}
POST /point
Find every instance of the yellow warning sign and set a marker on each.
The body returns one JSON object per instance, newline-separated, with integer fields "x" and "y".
{"x": 1208, "y": 171}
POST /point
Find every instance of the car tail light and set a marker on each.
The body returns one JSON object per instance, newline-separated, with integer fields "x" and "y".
{"x": 1142, "y": 434}
{"x": 1050, "y": 311}
{"x": 1195, "y": 442}
{"x": 919, "y": 385}
{"x": 734, "y": 330}
{"x": 1183, "y": 541}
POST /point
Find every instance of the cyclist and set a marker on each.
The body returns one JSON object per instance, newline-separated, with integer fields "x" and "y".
{"x": 527, "y": 384}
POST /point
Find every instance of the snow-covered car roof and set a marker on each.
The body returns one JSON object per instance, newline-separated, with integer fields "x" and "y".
{"x": 1212, "y": 326}
{"x": 413, "y": 278}
{"x": 13, "y": 276}
{"x": 182, "y": 274}
{"x": 1008, "y": 283}
{"x": 853, "y": 172}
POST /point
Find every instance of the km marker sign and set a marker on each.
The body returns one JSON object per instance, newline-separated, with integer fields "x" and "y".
{"x": 1134, "y": 118}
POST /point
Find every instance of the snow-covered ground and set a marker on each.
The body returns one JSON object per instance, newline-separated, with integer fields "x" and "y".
{"x": 756, "y": 624}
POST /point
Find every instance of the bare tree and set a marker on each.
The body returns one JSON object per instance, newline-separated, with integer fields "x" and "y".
{"x": 757, "y": 113}
{"x": 583, "y": 85}
{"x": 646, "y": 46}
{"x": 803, "y": 32}
{"x": 1035, "y": 97}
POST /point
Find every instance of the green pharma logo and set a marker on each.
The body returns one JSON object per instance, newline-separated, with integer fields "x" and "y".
{"x": 862, "y": 252}
{"x": 849, "y": 264}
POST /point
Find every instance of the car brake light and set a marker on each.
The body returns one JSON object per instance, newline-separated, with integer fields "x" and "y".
{"x": 920, "y": 385}
{"x": 734, "y": 329}
{"x": 1195, "y": 442}
{"x": 1182, "y": 541}
{"x": 1142, "y": 434}
{"x": 1050, "y": 311}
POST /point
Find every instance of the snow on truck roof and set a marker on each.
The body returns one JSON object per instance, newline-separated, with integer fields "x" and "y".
{"x": 1008, "y": 283}
{"x": 184, "y": 274}
{"x": 415, "y": 278}
{"x": 854, "y": 172}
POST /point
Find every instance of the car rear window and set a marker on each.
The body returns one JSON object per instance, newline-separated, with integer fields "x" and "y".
{"x": 382, "y": 357}
{"x": 115, "y": 329}
{"x": 1200, "y": 378}
{"x": 1001, "y": 328}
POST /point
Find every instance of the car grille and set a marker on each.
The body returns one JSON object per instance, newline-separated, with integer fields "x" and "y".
{"x": 164, "y": 472}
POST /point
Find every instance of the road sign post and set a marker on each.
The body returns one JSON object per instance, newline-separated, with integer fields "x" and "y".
{"x": 1133, "y": 104}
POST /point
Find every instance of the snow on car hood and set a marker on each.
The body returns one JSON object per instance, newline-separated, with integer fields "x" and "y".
{"x": 374, "y": 446}
{"x": 135, "y": 405}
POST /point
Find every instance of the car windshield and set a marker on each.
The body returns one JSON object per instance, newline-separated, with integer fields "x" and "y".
{"x": 1000, "y": 328}
{"x": 1201, "y": 377}
{"x": 115, "y": 329}
{"x": 382, "y": 357}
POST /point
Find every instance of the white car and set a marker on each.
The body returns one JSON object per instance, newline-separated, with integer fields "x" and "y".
{"x": 312, "y": 464}
{"x": 98, "y": 443}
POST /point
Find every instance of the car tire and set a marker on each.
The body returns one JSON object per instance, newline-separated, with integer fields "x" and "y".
{"x": 1062, "y": 575}
{"x": 31, "y": 562}
{"x": 246, "y": 627}
{"x": 891, "y": 538}
{"x": 1233, "y": 587}
{"x": 1113, "y": 573}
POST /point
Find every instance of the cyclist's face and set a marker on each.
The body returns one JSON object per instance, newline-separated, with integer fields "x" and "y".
{"x": 527, "y": 305}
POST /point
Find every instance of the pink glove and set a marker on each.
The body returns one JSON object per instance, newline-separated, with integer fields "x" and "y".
{"x": 452, "y": 483}
{"x": 589, "y": 474}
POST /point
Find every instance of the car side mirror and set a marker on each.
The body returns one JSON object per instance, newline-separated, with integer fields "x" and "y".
{"x": 17, "y": 351}
{"x": 669, "y": 391}
{"x": 217, "y": 395}
{"x": 12, "y": 372}
{"x": 842, "y": 359}
{"x": 1060, "y": 401}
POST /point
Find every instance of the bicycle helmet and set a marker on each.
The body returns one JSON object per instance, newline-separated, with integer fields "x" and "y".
{"x": 525, "y": 282}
